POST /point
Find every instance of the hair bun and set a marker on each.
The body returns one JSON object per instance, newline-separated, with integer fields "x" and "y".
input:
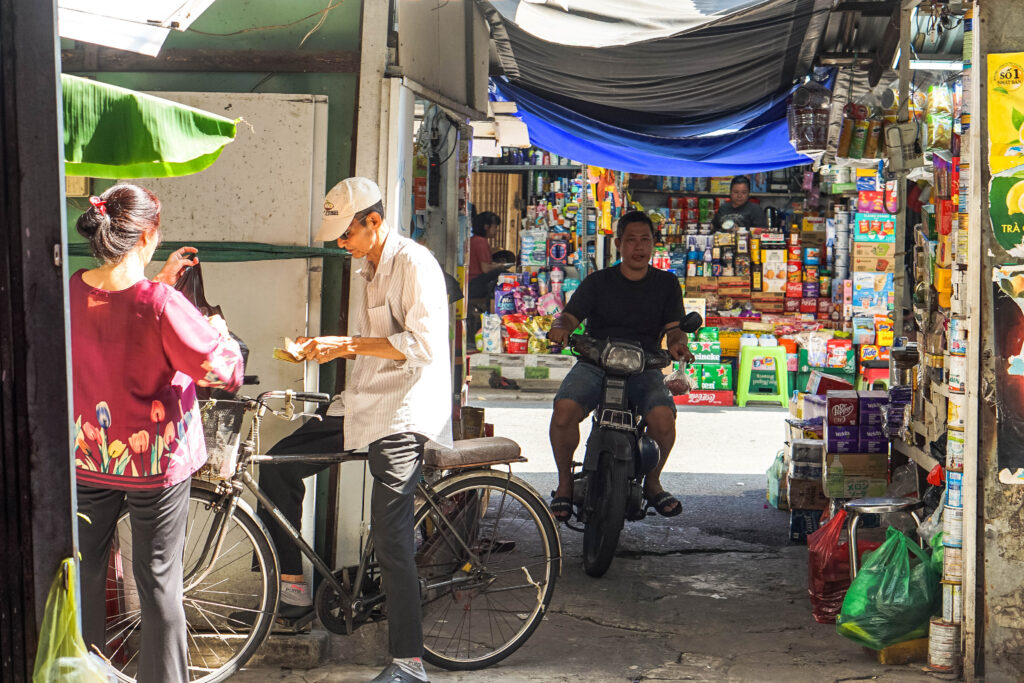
{"x": 91, "y": 222}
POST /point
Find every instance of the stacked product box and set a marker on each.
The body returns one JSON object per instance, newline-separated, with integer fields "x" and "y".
{"x": 710, "y": 378}
{"x": 806, "y": 499}
{"x": 856, "y": 458}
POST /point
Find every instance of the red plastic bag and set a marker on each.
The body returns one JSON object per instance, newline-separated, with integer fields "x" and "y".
{"x": 828, "y": 568}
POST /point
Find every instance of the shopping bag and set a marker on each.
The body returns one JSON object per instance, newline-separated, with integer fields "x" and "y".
{"x": 62, "y": 656}
{"x": 828, "y": 568}
{"x": 191, "y": 285}
{"x": 893, "y": 597}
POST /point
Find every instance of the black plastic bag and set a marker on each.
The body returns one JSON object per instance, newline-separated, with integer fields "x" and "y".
{"x": 191, "y": 285}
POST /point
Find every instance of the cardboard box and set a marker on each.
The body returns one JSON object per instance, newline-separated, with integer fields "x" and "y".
{"x": 855, "y": 475}
{"x": 872, "y": 292}
{"x": 706, "y": 351}
{"x": 806, "y": 494}
{"x": 806, "y": 470}
{"x": 855, "y": 487}
{"x": 802, "y": 523}
{"x": 716, "y": 376}
{"x": 797, "y": 429}
{"x": 693, "y": 374}
{"x": 874, "y": 227}
{"x": 842, "y": 439}
{"x": 841, "y": 408}
{"x": 883, "y": 250}
{"x": 821, "y": 383}
{"x": 813, "y": 406}
{"x": 707, "y": 334}
{"x": 872, "y": 440}
{"x": 873, "y": 352}
{"x": 872, "y": 404}
{"x": 701, "y": 397}
{"x": 873, "y": 264}
{"x": 810, "y": 451}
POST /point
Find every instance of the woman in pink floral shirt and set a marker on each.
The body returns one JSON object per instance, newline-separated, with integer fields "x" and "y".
{"x": 139, "y": 349}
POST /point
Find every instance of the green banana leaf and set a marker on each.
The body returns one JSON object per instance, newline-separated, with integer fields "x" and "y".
{"x": 112, "y": 132}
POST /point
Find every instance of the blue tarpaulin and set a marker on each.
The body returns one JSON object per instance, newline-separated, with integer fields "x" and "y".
{"x": 555, "y": 128}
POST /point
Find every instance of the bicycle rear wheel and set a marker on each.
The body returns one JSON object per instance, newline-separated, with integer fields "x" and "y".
{"x": 229, "y": 611}
{"x": 477, "y": 612}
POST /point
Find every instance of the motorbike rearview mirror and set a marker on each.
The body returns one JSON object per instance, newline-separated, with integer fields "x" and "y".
{"x": 691, "y": 322}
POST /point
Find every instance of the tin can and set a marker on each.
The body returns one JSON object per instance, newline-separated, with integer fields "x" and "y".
{"x": 952, "y": 602}
{"x": 954, "y": 489}
{"x": 953, "y": 527}
{"x": 954, "y": 449}
{"x": 955, "y": 411}
{"x": 957, "y": 336}
{"x": 952, "y": 564}
{"x": 943, "y": 646}
{"x": 957, "y": 373}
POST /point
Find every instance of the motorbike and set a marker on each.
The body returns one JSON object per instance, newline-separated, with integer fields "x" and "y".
{"x": 608, "y": 489}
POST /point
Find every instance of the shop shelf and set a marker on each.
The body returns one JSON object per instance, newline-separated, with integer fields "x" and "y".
{"x": 916, "y": 454}
{"x": 687, "y": 193}
{"x": 516, "y": 168}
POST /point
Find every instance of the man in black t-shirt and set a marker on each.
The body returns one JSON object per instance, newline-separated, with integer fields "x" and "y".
{"x": 632, "y": 301}
{"x": 738, "y": 211}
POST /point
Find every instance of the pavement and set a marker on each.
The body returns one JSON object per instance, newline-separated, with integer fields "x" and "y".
{"x": 716, "y": 594}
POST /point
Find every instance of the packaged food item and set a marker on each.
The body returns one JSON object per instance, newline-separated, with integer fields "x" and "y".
{"x": 517, "y": 332}
{"x": 490, "y": 330}
{"x": 538, "y": 327}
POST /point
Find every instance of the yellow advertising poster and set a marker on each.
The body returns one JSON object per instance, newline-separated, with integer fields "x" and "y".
{"x": 1005, "y": 111}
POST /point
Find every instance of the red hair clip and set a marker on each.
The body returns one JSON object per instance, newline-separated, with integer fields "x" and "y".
{"x": 99, "y": 205}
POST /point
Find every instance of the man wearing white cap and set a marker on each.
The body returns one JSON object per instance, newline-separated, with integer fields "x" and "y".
{"x": 399, "y": 394}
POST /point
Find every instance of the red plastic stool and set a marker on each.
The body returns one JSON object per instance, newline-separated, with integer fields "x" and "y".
{"x": 869, "y": 376}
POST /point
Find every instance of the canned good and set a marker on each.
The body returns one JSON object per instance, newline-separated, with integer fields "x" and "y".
{"x": 952, "y": 564}
{"x": 952, "y": 602}
{"x": 954, "y": 449}
{"x": 956, "y": 411}
{"x": 957, "y": 373}
{"x": 957, "y": 336}
{"x": 954, "y": 488}
{"x": 953, "y": 527}
{"x": 943, "y": 645}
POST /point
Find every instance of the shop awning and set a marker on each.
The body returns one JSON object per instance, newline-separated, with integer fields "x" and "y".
{"x": 135, "y": 25}
{"x": 112, "y": 132}
{"x": 658, "y": 86}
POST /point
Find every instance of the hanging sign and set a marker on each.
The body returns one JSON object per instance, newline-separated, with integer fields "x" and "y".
{"x": 1008, "y": 323}
{"x": 1006, "y": 149}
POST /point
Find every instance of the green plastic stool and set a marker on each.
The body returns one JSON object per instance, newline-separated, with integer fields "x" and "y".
{"x": 748, "y": 354}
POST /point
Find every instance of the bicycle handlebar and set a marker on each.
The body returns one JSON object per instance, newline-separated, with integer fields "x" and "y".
{"x": 311, "y": 396}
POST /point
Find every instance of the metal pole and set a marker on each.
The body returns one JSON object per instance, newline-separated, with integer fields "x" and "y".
{"x": 900, "y": 276}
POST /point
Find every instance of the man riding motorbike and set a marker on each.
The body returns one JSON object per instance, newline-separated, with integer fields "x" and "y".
{"x": 631, "y": 301}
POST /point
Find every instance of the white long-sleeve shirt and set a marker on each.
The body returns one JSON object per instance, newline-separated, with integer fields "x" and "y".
{"x": 405, "y": 301}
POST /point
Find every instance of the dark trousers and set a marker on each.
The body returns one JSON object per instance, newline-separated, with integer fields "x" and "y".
{"x": 283, "y": 483}
{"x": 395, "y": 464}
{"x": 158, "y": 519}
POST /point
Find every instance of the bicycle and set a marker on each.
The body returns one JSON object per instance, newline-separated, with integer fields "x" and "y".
{"x": 487, "y": 551}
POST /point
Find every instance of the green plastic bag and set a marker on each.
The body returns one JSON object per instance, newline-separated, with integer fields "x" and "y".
{"x": 938, "y": 553}
{"x": 893, "y": 597}
{"x": 62, "y": 656}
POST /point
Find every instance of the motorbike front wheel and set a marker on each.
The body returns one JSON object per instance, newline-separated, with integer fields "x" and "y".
{"x": 608, "y": 489}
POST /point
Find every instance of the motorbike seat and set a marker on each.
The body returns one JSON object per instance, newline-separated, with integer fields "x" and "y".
{"x": 466, "y": 453}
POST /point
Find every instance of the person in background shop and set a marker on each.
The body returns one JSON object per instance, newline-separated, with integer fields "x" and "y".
{"x": 398, "y": 396}
{"x": 140, "y": 348}
{"x": 632, "y": 301}
{"x": 482, "y": 265}
{"x": 738, "y": 211}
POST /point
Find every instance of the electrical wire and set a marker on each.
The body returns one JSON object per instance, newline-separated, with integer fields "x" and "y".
{"x": 322, "y": 12}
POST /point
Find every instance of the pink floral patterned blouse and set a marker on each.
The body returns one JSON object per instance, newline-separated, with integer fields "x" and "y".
{"x": 137, "y": 355}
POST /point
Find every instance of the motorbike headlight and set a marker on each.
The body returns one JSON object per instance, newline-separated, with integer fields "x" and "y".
{"x": 621, "y": 358}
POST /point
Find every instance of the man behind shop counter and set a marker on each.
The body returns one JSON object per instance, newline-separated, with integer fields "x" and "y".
{"x": 738, "y": 211}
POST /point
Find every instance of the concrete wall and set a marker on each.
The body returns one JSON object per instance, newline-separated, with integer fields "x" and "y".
{"x": 999, "y": 27}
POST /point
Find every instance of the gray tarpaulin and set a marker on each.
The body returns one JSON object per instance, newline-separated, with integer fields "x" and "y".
{"x": 657, "y": 61}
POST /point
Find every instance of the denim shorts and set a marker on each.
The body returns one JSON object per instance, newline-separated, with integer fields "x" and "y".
{"x": 645, "y": 391}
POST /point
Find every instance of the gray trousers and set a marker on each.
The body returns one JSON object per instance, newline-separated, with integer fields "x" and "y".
{"x": 395, "y": 465}
{"x": 158, "y": 518}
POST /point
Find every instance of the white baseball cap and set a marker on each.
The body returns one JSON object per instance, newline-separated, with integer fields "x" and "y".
{"x": 344, "y": 201}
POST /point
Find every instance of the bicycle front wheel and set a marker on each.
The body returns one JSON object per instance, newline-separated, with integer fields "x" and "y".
{"x": 488, "y": 554}
{"x": 230, "y": 600}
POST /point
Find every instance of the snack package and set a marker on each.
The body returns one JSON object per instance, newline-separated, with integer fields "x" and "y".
{"x": 516, "y": 332}
{"x": 292, "y": 352}
{"x": 525, "y": 300}
{"x": 490, "y": 330}
{"x": 539, "y": 326}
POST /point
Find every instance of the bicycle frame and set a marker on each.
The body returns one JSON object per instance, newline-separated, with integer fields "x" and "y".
{"x": 232, "y": 488}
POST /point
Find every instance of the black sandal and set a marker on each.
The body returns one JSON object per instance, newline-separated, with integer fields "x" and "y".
{"x": 561, "y": 507}
{"x": 663, "y": 504}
